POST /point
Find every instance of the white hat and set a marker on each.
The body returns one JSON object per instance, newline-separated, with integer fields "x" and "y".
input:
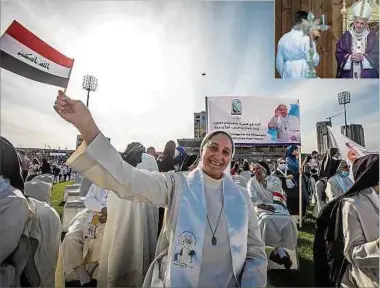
{"x": 362, "y": 9}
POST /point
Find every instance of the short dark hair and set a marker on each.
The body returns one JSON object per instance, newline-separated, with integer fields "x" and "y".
{"x": 314, "y": 152}
{"x": 300, "y": 15}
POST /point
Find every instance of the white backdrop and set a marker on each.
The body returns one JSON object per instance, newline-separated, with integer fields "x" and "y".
{"x": 246, "y": 119}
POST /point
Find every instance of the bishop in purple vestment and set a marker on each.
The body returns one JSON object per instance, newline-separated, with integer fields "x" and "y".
{"x": 344, "y": 50}
{"x": 357, "y": 50}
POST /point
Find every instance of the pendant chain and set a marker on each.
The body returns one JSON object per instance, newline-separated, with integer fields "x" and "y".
{"x": 217, "y": 223}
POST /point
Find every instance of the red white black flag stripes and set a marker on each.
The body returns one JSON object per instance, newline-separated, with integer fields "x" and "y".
{"x": 25, "y": 54}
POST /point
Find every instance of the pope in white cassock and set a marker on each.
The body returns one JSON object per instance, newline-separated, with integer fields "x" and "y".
{"x": 82, "y": 243}
{"x": 287, "y": 126}
{"x": 130, "y": 233}
{"x": 293, "y": 50}
{"x": 210, "y": 236}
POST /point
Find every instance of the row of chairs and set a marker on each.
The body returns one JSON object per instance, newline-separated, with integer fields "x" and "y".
{"x": 73, "y": 200}
{"x": 73, "y": 204}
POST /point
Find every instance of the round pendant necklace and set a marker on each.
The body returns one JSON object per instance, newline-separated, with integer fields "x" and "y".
{"x": 214, "y": 241}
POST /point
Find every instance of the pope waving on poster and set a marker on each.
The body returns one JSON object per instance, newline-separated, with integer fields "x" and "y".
{"x": 286, "y": 124}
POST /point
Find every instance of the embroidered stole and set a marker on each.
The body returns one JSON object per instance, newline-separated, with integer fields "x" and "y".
{"x": 185, "y": 251}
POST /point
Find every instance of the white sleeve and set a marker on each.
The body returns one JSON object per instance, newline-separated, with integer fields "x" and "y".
{"x": 347, "y": 65}
{"x": 92, "y": 201}
{"x": 357, "y": 250}
{"x": 366, "y": 64}
{"x": 252, "y": 192}
{"x": 279, "y": 59}
{"x": 102, "y": 164}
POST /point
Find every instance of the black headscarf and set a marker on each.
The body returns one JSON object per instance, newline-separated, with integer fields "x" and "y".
{"x": 366, "y": 174}
{"x": 266, "y": 166}
{"x": 10, "y": 165}
{"x": 133, "y": 153}
{"x": 329, "y": 165}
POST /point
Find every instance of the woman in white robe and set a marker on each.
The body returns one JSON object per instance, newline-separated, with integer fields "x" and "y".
{"x": 277, "y": 226}
{"x": 360, "y": 219}
{"x": 29, "y": 252}
{"x": 339, "y": 183}
{"x": 211, "y": 235}
{"x": 130, "y": 233}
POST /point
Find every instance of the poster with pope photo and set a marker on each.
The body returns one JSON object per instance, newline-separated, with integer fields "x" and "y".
{"x": 255, "y": 120}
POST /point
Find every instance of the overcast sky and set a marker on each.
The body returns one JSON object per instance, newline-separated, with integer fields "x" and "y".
{"x": 149, "y": 56}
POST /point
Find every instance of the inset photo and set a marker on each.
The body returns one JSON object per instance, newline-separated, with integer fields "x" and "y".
{"x": 326, "y": 39}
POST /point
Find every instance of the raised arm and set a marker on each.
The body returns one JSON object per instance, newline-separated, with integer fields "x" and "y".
{"x": 100, "y": 162}
{"x": 103, "y": 165}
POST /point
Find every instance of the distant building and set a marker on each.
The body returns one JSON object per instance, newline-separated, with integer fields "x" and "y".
{"x": 199, "y": 125}
{"x": 250, "y": 153}
{"x": 355, "y": 132}
{"x": 323, "y": 140}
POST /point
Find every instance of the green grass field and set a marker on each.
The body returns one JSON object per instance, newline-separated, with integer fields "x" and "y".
{"x": 276, "y": 278}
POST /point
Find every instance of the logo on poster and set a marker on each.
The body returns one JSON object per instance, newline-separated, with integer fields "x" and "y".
{"x": 236, "y": 107}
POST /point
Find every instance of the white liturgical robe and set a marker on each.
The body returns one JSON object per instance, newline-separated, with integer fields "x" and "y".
{"x": 292, "y": 54}
{"x": 130, "y": 233}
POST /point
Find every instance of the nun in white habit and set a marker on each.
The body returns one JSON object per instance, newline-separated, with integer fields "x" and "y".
{"x": 210, "y": 237}
{"x": 277, "y": 226}
{"x": 339, "y": 183}
{"x": 130, "y": 232}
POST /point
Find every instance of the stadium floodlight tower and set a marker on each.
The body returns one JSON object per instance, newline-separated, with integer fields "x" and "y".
{"x": 343, "y": 99}
{"x": 90, "y": 83}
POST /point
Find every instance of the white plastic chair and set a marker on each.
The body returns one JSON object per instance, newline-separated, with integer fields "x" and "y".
{"x": 47, "y": 178}
{"x": 70, "y": 192}
{"x": 70, "y": 210}
{"x": 39, "y": 190}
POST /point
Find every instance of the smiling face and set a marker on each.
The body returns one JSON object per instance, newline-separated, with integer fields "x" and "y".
{"x": 216, "y": 155}
{"x": 282, "y": 110}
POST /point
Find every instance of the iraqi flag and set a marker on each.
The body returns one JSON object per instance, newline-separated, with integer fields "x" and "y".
{"x": 25, "y": 54}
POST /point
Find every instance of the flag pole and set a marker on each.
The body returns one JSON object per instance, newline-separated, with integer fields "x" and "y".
{"x": 64, "y": 90}
{"x": 300, "y": 187}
